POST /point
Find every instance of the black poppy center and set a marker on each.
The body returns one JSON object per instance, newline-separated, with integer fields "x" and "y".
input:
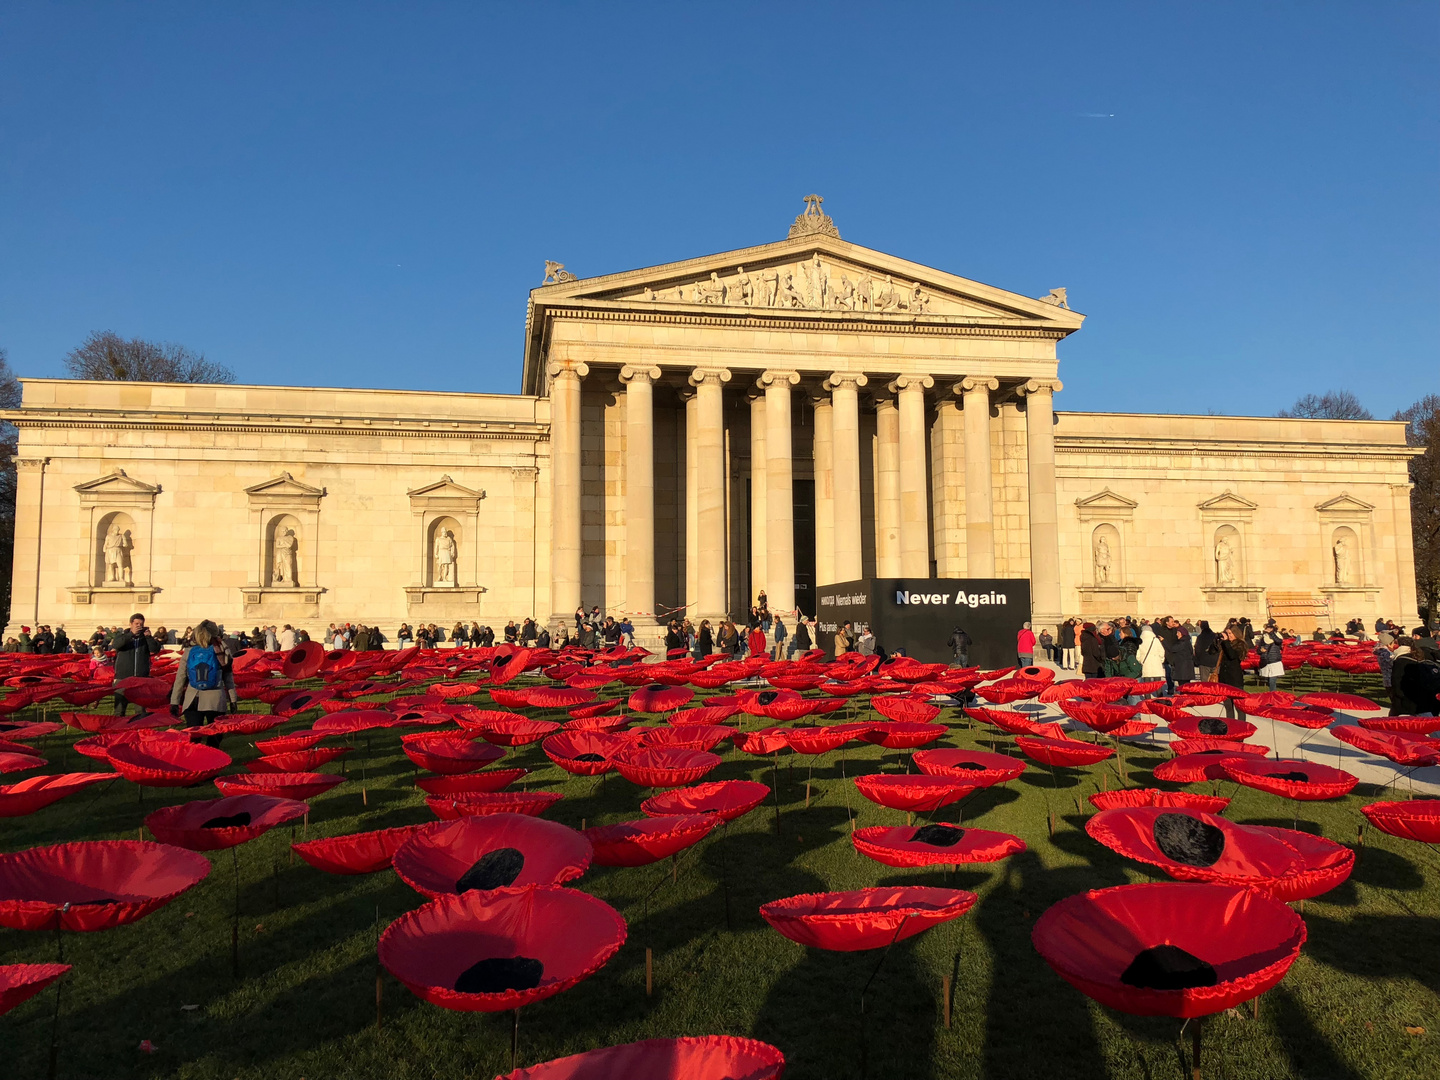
{"x": 493, "y": 870}
{"x": 938, "y": 835}
{"x": 1168, "y": 967}
{"x": 1188, "y": 840}
{"x": 655, "y": 687}
{"x": 589, "y": 757}
{"x": 1295, "y": 777}
{"x": 500, "y": 973}
{"x": 233, "y": 821}
{"x": 1213, "y": 725}
{"x": 971, "y": 765}
{"x": 767, "y": 696}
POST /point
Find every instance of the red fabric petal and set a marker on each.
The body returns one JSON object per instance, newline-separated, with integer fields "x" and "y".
{"x": 105, "y": 883}
{"x": 864, "y": 918}
{"x": 432, "y": 860}
{"x": 708, "y": 1057}
{"x": 356, "y": 853}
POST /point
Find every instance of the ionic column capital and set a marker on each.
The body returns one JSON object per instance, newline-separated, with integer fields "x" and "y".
{"x": 976, "y": 382}
{"x": 847, "y": 379}
{"x": 1039, "y": 386}
{"x": 910, "y": 382}
{"x": 769, "y": 379}
{"x": 560, "y": 369}
{"x": 647, "y": 374}
{"x": 716, "y": 376}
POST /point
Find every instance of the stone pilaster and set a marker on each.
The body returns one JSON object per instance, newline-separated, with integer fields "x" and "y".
{"x": 709, "y": 386}
{"x": 565, "y": 488}
{"x": 844, "y": 390}
{"x": 640, "y": 491}
{"x": 779, "y": 490}
{"x": 914, "y": 540}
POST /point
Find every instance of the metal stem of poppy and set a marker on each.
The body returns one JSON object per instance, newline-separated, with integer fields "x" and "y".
{"x": 235, "y": 924}
{"x": 514, "y": 1038}
{"x": 775, "y": 777}
{"x": 724, "y": 879}
{"x": 866, "y": 989}
{"x": 55, "y": 1015}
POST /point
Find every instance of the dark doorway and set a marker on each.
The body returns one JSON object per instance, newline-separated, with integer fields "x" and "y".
{"x": 804, "y": 491}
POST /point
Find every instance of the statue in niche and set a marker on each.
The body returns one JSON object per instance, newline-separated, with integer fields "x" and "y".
{"x": 1102, "y": 561}
{"x": 710, "y": 292}
{"x": 887, "y": 297}
{"x": 117, "y": 557}
{"x": 1341, "y": 553}
{"x": 283, "y": 565}
{"x": 445, "y": 553}
{"x": 742, "y": 292}
{"x": 1224, "y": 562}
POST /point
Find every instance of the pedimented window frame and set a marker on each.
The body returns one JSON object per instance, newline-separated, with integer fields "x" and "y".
{"x": 1229, "y": 510}
{"x": 1107, "y": 508}
{"x": 1346, "y": 511}
{"x": 117, "y": 492}
{"x": 430, "y": 504}
{"x": 280, "y": 496}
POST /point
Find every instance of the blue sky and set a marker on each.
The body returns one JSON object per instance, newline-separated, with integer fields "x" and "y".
{"x": 1242, "y": 198}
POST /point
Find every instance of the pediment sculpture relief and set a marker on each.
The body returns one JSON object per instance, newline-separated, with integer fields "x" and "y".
{"x": 812, "y": 285}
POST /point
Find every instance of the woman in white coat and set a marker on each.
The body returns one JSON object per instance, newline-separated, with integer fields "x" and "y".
{"x": 1151, "y": 654}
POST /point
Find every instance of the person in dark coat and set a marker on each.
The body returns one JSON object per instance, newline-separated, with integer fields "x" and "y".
{"x": 133, "y": 647}
{"x": 1233, "y": 650}
{"x": 1092, "y": 652}
{"x": 704, "y": 640}
{"x": 1207, "y": 651}
{"x": 1179, "y": 653}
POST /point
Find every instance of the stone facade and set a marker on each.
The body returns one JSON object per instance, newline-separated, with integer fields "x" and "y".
{"x": 785, "y": 416}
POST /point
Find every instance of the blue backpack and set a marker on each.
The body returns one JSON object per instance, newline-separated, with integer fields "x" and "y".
{"x": 202, "y": 669}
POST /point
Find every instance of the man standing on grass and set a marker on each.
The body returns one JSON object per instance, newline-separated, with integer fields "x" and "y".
{"x": 133, "y": 647}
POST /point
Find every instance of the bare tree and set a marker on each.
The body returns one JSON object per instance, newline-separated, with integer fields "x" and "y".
{"x": 106, "y": 355}
{"x": 1331, "y": 405}
{"x": 9, "y": 437}
{"x": 1422, "y": 428}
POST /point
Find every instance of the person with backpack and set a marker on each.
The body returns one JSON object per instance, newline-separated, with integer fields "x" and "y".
{"x": 204, "y": 683}
{"x": 960, "y": 645}
{"x": 1269, "y": 645}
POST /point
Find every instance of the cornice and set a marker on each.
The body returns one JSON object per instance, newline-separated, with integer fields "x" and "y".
{"x": 373, "y": 428}
{"x": 608, "y": 311}
{"x": 1150, "y": 447}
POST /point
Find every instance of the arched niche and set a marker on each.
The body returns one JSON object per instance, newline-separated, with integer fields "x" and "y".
{"x": 1107, "y": 562}
{"x": 444, "y": 548}
{"x": 1346, "y": 567}
{"x": 284, "y": 552}
{"x": 114, "y": 550}
{"x": 1227, "y": 553}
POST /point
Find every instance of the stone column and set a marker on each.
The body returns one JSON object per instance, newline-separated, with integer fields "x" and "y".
{"x": 565, "y": 488}
{"x": 692, "y": 499}
{"x": 1045, "y": 604}
{"x": 640, "y": 490}
{"x": 887, "y": 487}
{"x": 779, "y": 490}
{"x": 759, "y": 489}
{"x": 824, "y": 489}
{"x": 979, "y": 490}
{"x": 845, "y": 426}
{"x": 948, "y": 462}
{"x": 709, "y": 386}
{"x": 914, "y": 546}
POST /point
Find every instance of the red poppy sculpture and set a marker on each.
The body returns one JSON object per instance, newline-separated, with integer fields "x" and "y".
{"x": 903, "y": 735}
{"x": 304, "y": 661}
{"x": 1199, "y": 765}
{"x": 351, "y": 721}
{"x": 1170, "y": 950}
{"x": 301, "y": 786}
{"x": 356, "y": 853}
{"x": 922, "y": 793}
{"x": 1072, "y": 753}
{"x": 706, "y": 1057}
{"x": 462, "y": 784}
{"x": 167, "y": 762}
{"x": 934, "y": 845}
{"x": 1212, "y": 727}
{"x": 1401, "y": 749}
{"x": 726, "y": 799}
{"x": 1417, "y": 819}
{"x": 21, "y": 982}
{"x": 976, "y": 766}
{"x": 502, "y": 949}
{"x": 214, "y": 824}
{"x": 649, "y": 839}
{"x": 518, "y": 732}
{"x": 449, "y": 754}
{"x": 864, "y": 918}
{"x": 664, "y": 767}
{"x": 491, "y": 852}
{"x": 34, "y": 793}
{"x": 1183, "y": 800}
{"x": 93, "y": 885}
{"x": 297, "y": 760}
{"x": 479, "y": 803}
{"x": 1307, "y": 781}
{"x": 585, "y": 753}
{"x": 659, "y": 698}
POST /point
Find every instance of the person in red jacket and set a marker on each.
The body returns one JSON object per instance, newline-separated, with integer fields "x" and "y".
{"x": 1025, "y": 646}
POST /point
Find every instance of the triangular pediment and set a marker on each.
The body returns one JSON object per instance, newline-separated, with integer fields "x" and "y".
{"x": 1344, "y": 503}
{"x": 116, "y": 482}
{"x": 1106, "y": 500}
{"x": 284, "y": 488}
{"x": 810, "y": 277}
{"x": 445, "y": 488}
{"x": 1227, "y": 500}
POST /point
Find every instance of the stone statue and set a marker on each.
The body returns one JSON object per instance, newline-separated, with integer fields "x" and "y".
{"x": 817, "y": 281}
{"x": 445, "y": 552}
{"x": 1342, "y": 561}
{"x": 789, "y": 294}
{"x": 844, "y": 296}
{"x": 1056, "y": 298}
{"x": 117, "y": 557}
{"x": 710, "y": 292}
{"x": 887, "y": 297}
{"x": 813, "y": 221}
{"x": 282, "y": 571}
{"x": 1102, "y": 561}
{"x": 919, "y": 301}
{"x": 1224, "y": 562}
{"x": 555, "y": 274}
{"x": 742, "y": 292}
{"x": 770, "y": 287}
{"x": 864, "y": 293}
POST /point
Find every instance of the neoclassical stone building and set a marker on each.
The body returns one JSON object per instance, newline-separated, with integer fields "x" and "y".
{"x": 785, "y": 416}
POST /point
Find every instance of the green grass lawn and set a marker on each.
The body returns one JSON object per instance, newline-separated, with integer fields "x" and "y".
{"x": 305, "y": 1002}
